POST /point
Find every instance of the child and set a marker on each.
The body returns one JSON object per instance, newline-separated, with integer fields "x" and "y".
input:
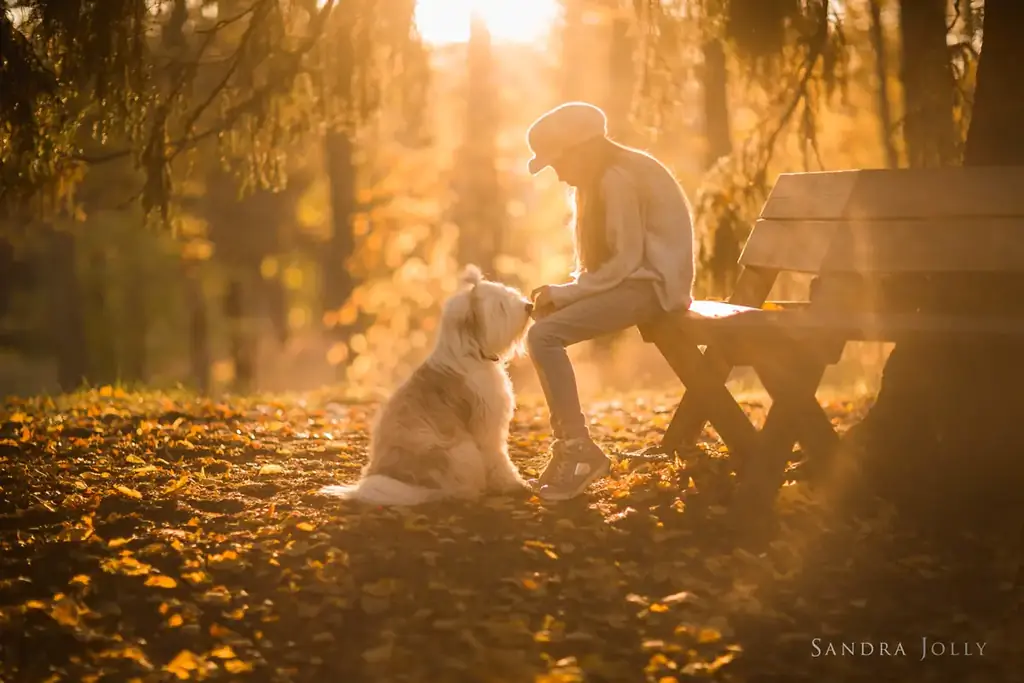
{"x": 634, "y": 260}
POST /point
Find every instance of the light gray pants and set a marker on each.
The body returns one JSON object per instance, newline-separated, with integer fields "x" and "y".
{"x": 631, "y": 303}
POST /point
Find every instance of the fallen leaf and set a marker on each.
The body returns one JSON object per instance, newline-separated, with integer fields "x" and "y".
{"x": 237, "y": 666}
{"x": 131, "y": 493}
{"x": 176, "y": 484}
{"x": 183, "y": 664}
{"x": 161, "y": 581}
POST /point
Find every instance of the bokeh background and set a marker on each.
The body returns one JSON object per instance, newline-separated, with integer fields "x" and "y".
{"x": 255, "y": 195}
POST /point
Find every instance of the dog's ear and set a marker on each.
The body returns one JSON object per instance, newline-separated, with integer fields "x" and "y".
{"x": 472, "y": 275}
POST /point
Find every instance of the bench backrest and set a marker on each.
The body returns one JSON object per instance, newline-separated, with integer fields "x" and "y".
{"x": 908, "y": 221}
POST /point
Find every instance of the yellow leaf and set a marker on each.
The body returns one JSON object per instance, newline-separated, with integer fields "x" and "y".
{"x": 161, "y": 581}
{"x": 135, "y": 460}
{"x": 106, "y": 391}
{"x": 237, "y": 666}
{"x": 196, "y": 578}
{"x": 177, "y": 484}
{"x": 35, "y": 604}
{"x": 305, "y": 526}
{"x": 18, "y": 417}
{"x": 271, "y": 468}
{"x": 658, "y": 607}
{"x": 223, "y": 652}
{"x": 126, "y": 565}
{"x": 131, "y": 493}
{"x": 127, "y": 652}
{"x": 175, "y": 621}
{"x": 66, "y": 612}
{"x": 81, "y": 580}
{"x": 117, "y": 542}
{"x": 708, "y": 635}
{"x": 221, "y": 632}
{"x": 183, "y": 664}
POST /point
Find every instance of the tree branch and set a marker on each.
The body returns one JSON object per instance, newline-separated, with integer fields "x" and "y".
{"x": 189, "y": 140}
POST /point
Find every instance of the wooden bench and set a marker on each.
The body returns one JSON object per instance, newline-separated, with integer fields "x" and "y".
{"x": 878, "y": 243}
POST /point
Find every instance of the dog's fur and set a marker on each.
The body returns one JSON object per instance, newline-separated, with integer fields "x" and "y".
{"x": 444, "y": 432}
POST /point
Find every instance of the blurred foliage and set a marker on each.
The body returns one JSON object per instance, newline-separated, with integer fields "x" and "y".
{"x": 150, "y": 81}
{"x": 213, "y": 116}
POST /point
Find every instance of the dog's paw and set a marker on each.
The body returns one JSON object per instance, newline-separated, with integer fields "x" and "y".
{"x": 516, "y": 488}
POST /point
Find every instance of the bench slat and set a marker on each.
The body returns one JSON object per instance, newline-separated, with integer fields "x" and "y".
{"x": 879, "y": 194}
{"x": 949, "y": 245}
{"x": 705, "y": 323}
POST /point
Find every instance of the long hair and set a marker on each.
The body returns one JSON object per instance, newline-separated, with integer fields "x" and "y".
{"x": 590, "y": 235}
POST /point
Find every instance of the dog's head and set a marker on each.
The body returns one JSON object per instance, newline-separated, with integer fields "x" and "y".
{"x": 489, "y": 318}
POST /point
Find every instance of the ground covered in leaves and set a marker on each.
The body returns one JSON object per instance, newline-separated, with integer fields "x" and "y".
{"x": 153, "y": 537}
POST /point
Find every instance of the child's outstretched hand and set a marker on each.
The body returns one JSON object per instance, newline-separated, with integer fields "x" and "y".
{"x": 543, "y": 303}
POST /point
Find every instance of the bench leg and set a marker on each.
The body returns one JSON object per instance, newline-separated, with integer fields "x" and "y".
{"x": 706, "y": 398}
{"x": 817, "y": 436}
{"x": 752, "y": 288}
{"x": 791, "y": 419}
{"x": 691, "y": 414}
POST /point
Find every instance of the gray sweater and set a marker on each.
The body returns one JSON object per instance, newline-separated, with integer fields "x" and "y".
{"x": 650, "y": 232}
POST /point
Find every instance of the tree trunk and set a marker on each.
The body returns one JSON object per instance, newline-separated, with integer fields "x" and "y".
{"x": 715, "y": 78}
{"x": 621, "y": 80}
{"x": 137, "y": 327}
{"x": 725, "y": 252}
{"x": 882, "y": 89}
{"x": 102, "y": 341}
{"x": 67, "y": 308}
{"x": 928, "y": 84}
{"x": 240, "y": 335}
{"x": 479, "y": 210}
{"x": 996, "y": 135}
{"x": 945, "y": 426}
{"x": 573, "y": 34}
{"x": 338, "y": 283}
{"x": 198, "y": 329}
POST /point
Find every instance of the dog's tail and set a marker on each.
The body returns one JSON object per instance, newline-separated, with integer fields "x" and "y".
{"x": 377, "y": 489}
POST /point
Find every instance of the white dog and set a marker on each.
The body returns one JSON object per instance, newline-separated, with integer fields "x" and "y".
{"x": 444, "y": 432}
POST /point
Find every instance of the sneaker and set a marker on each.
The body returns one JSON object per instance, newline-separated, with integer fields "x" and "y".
{"x": 547, "y": 476}
{"x": 573, "y": 467}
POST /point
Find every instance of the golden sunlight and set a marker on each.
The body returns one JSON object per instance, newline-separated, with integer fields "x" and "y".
{"x": 515, "y": 21}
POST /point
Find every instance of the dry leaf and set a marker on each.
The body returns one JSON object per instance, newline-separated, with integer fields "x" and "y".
{"x": 131, "y": 493}
{"x": 183, "y": 664}
{"x": 161, "y": 581}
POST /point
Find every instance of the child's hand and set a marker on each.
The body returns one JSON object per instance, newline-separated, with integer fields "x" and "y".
{"x": 543, "y": 303}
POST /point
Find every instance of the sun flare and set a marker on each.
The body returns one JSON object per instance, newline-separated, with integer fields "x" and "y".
{"x": 513, "y": 21}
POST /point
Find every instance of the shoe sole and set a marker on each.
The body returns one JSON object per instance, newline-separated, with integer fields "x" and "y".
{"x": 591, "y": 478}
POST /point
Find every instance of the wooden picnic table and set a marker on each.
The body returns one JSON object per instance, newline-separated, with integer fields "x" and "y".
{"x": 890, "y": 252}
